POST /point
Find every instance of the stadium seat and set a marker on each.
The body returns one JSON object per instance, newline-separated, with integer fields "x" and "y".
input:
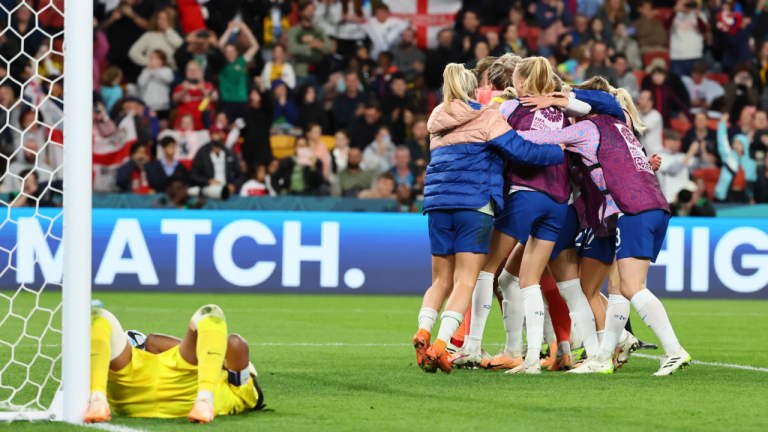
{"x": 712, "y": 124}
{"x": 329, "y": 141}
{"x": 533, "y": 38}
{"x": 485, "y": 29}
{"x": 282, "y": 146}
{"x": 639, "y": 75}
{"x": 648, "y": 57}
{"x": 679, "y": 125}
{"x": 721, "y": 78}
{"x": 662, "y": 14}
{"x": 710, "y": 176}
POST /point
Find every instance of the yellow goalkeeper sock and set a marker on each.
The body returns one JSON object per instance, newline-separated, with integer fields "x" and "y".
{"x": 211, "y": 348}
{"x": 101, "y": 331}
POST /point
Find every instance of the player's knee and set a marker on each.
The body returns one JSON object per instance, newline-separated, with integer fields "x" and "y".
{"x": 237, "y": 353}
{"x": 207, "y": 311}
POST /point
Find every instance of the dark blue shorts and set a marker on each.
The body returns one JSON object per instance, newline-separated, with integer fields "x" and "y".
{"x": 533, "y": 214}
{"x": 454, "y": 231}
{"x": 567, "y": 237}
{"x": 641, "y": 236}
{"x": 600, "y": 248}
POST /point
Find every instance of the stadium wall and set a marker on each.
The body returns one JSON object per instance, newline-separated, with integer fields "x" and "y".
{"x": 335, "y": 252}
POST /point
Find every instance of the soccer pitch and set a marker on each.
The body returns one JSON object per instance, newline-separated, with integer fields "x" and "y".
{"x": 344, "y": 363}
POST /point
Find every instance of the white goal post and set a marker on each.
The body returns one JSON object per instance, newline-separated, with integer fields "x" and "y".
{"x": 70, "y": 401}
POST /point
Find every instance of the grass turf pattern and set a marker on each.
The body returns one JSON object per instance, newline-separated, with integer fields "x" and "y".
{"x": 344, "y": 363}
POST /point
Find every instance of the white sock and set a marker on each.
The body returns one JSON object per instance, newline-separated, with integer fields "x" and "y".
{"x": 624, "y": 333}
{"x": 615, "y": 320}
{"x": 581, "y": 314}
{"x": 534, "y": 317}
{"x": 481, "y": 308}
{"x": 549, "y": 331}
{"x": 600, "y": 336}
{"x": 655, "y": 316}
{"x": 427, "y": 318}
{"x": 205, "y": 395}
{"x": 449, "y": 322}
{"x": 514, "y": 312}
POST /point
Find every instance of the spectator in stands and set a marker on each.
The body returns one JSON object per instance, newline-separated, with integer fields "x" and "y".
{"x": 233, "y": 77}
{"x": 256, "y": 148}
{"x": 111, "y": 89}
{"x": 739, "y": 171}
{"x": 284, "y": 110}
{"x": 579, "y": 31}
{"x": 692, "y": 201}
{"x": 403, "y": 171}
{"x": 600, "y": 65}
{"x": 124, "y": 26}
{"x": 760, "y": 66}
{"x": 511, "y": 43}
{"x": 597, "y": 32}
{"x": 214, "y": 164}
{"x": 705, "y": 137}
{"x": 278, "y": 68}
{"x": 258, "y": 184}
{"x": 308, "y": 45}
{"x": 493, "y": 43}
{"x": 300, "y": 174}
{"x": 155, "y": 86}
{"x": 651, "y": 140}
{"x": 310, "y": 109}
{"x": 398, "y": 100}
{"x": 352, "y": 179}
{"x": 628, "y": 47}
{"x": 437, "y": 59}
{"x": 385, "y": 188}
{"x": 745, "y": 125}
{"x": 167, "y": 168}
{"x": 340, "y": 152}
{"x": 588, "y": 8}
{"x": 27, "y": 161}
{"x": 624, "y": 78}
{"x": 201, "y": 46}
{"x": 564, "y": 48}
{"x": 379, "y": 155}
{"x": 418, "y": 144}
{"x": 25, "y": 29}
{"x": 464, "y": 41}
{"x": 314, "y": 133}
{"x": 741, "y": 91}
{"x": 613, "y": 13}
{"x": 364, "y": 128}
{"x": 761, "y": 182}
{"x": 760, "y": 137}
{"x": 649, "y": 31}
{"x": 341, "y": 20}
{"x": 100, "y": 51}
{"x": 351, "y": 103}
{"x": 701, "y": 90}
{"x": 481, "y": 52}
{"x": 735, "y": 37}
{"x": 31, "y": 194}
{"x": 406, "y": 201}
{"x": 408, "y": 59}
{"x": 667, "y": 100}
{"x": 194, "y": 94}
{"x": 133, "y": 175}
{"x": 160, "y": 36}
{"x": 384, "y": 30}
{"x": 687, "y": 25}
{"x": 553, "y": 17}
{"x": 676, "y": 167}
{"x": 10, "y": 115}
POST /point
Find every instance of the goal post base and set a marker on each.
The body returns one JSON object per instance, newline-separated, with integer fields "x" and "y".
{"x": 54, "y": 413}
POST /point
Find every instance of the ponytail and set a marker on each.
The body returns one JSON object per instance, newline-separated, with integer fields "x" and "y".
{"x": 537, "y": 72}
{"x": 625, "y": 99}
{"x": 559, "y": 84}
{"x": 509, "y": 94}
{"x": 595, "y": 83}
{"x": 458, "y": 83}
{"x": 502, "y": 70}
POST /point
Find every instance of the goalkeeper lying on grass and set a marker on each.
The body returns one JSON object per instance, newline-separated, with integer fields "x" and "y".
{"x": 205, "y": 374}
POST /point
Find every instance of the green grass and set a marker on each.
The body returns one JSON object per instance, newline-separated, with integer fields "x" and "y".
{"x": 351, "y": 386}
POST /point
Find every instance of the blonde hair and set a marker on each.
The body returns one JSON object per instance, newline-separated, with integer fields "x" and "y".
{"x": 625, "y": 99}
{"x": 502, "y": 70}
{"x": 458, "y": 83}
{"x": 559, "y": 84}
{"x": 596, "y": 83}
{"x": 508, "y": 94}
{"x": 483, "y": 65}
{"x": 537, "y": 72}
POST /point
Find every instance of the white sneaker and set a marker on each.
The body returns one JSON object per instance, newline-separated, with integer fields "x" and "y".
{"x": 451, "y": 348}
{"x": 671, "y": 363}
{"x": 525, "y": 369}
{"x": 592, "y": 365}
{"x": 465, "y": 359}
{"x": 625, "y": 349}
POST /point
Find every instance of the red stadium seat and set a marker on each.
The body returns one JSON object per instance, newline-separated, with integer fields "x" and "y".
{"x": 485, "y": 29}
{"x": 710, "y": 176}
{"x": 533, "y": 38}
{"x": 712, "y": 124}
{"x": 662, "y": 14}
{"x": 679, "y": 125}
{"x": 639, "y": 75}
{"x": 648, "y": 57}
{"x": 721, "y": 78}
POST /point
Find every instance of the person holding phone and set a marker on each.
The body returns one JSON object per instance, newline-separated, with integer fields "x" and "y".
{"x": 193, "y": 95}
{"x": 687, "y": 27}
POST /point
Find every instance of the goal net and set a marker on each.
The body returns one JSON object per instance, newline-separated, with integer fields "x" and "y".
{"x": 44, "y": 278}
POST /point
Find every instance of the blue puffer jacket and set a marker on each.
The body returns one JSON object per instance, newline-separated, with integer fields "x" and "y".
{"x": 469, "y": 147}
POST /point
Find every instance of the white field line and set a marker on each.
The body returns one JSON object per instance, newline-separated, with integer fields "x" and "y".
{"x": 725, "y": 365}
{"x": 114, "y": 427}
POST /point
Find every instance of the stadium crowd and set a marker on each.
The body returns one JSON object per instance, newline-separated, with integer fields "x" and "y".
{"x": 327, "y": 97}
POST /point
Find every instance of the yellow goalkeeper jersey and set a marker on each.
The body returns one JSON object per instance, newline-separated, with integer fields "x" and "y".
{"x": 165, "y": 386}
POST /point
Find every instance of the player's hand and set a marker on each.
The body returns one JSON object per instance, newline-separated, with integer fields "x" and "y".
{"x": 538, "y": 102}
{"x": 655, "y": 162}
{"x": 213, "y": 181}
{"x": 562, "y": 147}
{"x": 724, "y": 118}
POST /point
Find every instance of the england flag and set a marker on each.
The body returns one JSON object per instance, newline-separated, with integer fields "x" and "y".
{"x": 428, "y": 17}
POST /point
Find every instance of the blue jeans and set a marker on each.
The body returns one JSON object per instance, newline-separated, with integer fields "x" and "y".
{"x": 682, "y": 67}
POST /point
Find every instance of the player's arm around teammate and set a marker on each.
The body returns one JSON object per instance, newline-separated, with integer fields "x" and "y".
{"x": 462, "y": 191}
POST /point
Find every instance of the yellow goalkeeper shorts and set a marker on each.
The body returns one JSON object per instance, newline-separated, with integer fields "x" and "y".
{"x": 165, "y": 386}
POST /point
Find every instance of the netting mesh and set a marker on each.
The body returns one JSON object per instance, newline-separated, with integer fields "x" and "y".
{"x": 31, "y": 163}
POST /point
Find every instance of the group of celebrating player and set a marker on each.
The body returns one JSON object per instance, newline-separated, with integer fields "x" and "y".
{"x": 551, "y": 183}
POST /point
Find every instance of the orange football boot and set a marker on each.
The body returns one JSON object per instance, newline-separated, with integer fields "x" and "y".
{"x": 438, "y": 356}
{"x": 421, "y": 343}
{"x": 501, "y": 361}
{"x": 564, "y": 363}
{"x": 98, "y": 412}
{"x": 550, "y": 360}
{"x": 202, "y": 412}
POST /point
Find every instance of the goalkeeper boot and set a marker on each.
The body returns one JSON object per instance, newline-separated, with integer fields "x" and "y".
{"x": 420, "y": 344}
{"x": 202, "y": 411}
{"x": 99, "y": 410}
